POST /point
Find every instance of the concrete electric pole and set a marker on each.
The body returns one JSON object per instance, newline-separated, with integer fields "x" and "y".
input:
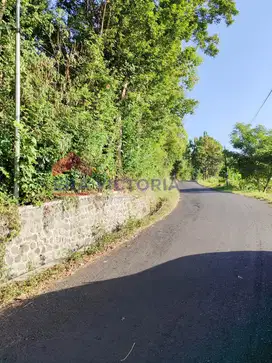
{"x": 17, "y": 102}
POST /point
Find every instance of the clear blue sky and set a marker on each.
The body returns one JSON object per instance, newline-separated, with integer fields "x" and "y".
{"x": 233, "y": 85}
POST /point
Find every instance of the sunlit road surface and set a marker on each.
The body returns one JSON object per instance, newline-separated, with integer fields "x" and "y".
{"x": 196, "y": 287}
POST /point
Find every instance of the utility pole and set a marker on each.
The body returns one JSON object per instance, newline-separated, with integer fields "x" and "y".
{"x": 17, "y": 102}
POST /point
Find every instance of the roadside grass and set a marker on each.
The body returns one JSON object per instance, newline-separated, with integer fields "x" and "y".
{"x": 18, "y": 291}
{"x": 220, "y": 186}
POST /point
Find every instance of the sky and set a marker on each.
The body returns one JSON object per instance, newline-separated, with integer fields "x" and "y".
{"x": 233, "y": 85}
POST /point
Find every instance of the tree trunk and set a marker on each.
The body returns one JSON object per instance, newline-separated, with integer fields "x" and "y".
{"x": 2, "y": 9}
{"x": 103, "y": 18}
{"x": 120, "y": 134}
{"x": 258, "y": 183}
{"x": 109, "y": 19}
{"x": 267, "y": 183}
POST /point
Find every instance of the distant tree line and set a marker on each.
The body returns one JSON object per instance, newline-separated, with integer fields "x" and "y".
{"x": 247, "y": 166}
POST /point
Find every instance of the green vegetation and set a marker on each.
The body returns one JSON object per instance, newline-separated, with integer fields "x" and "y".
{"x": 220, "y": 185}
{"x": 206, "y": 156}
{"x": 105, "y": 80}
{"x": 248, "y": 170}
{"x": 254, "y": 160}
{"x": 38, "y": 282}
{"x": 9, "y": 226}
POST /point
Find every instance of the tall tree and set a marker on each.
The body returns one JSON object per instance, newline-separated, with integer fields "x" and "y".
{"x": 207, "y": 156}
{"x": 254, "y": 158}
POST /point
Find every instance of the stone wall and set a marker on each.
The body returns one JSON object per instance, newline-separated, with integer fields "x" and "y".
{"x": 53, "y": 231}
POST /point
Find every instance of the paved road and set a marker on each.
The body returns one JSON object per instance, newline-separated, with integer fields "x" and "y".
{"x": 194, "y": 288}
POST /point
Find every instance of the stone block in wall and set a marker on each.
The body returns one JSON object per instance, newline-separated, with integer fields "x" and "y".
{"x": 52, "y": 231}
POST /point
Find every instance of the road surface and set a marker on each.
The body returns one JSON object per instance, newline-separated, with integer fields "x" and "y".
{"x": 194, "y": 288}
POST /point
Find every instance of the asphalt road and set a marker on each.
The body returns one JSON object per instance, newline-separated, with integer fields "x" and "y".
{"x": 194, "y": 288}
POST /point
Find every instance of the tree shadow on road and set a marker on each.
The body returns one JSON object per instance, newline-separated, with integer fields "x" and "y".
{"x": 205, "y": 308}
{"x": 198, "y": 190}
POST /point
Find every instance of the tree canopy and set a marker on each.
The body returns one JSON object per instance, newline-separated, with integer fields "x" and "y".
{"x": 247, "y": 166}
{"x": 254, "y": 155}
{"x": 206, "y": 156}
{"x": 105, "y": 80}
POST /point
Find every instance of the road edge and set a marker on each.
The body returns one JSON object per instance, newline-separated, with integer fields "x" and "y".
{"x": 253, "y": 195}
{"x": 17, "y": 292}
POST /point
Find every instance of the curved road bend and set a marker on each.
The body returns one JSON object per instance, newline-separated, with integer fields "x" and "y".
{"x": 194, "y": 288}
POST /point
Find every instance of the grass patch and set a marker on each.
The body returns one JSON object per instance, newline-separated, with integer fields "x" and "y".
{"x": 231, "y": 189}
{"x": 21, "y": 290}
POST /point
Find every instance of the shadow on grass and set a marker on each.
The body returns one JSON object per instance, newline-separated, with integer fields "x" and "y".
{"x": 204, "y": 308}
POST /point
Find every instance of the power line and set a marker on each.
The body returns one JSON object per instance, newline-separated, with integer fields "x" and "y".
{"x": 269, "y": 94}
